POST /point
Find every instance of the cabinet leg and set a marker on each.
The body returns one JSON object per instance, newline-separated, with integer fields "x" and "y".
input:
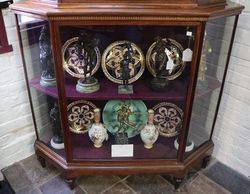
{"x": 205, "y": 161}
{"x": 71, "y": 183}
{"x": 177, "y": 182}
{"x": 42, "y": 161}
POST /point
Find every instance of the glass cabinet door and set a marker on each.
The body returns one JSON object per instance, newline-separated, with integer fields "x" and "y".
{"x": 39, "y": 67}
{"x": 128, "y": 78}
{"x": 212, "y": 67}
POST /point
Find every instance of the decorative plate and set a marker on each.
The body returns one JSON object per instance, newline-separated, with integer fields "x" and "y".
{"x": 114, "y": 55}
{"x": 129, "y": 116}
{"x": 80, "y": 116}
{"x": 168, "y": 119}
{"x": 80, "y": 58}
{"x": 160, "y": 54}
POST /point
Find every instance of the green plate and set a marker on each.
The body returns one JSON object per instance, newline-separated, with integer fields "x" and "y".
{"x": 127, "y": 115}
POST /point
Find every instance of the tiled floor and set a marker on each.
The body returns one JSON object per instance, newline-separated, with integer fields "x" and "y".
{"x": 28, "y": 177}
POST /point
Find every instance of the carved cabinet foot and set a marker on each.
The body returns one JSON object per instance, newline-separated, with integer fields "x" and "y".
{"x": 205, "y": 161}
{"x": 42, "y": 161}
{"x": 71, "y": 183}
{"x": 177, "y": 182}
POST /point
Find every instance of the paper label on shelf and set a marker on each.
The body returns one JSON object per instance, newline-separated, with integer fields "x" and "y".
{"x": 189, "y": 33}
{"x": 126, "y": 150}
{"x": 187, "y": 55}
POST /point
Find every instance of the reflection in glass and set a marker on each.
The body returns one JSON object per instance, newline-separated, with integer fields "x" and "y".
{"x": 212, "y": 67}
{"x": 39, "y": 63}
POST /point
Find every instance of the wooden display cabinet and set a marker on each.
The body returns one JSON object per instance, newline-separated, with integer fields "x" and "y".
{"x": 196, "y": 91}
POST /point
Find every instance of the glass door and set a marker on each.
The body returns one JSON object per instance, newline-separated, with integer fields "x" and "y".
{"x": 136, "y": 79}
{"x": 212, "y": 69}
{"x": 36, "y": 48}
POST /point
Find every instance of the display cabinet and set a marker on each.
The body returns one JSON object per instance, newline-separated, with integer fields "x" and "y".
{"x": 125, "y": 87}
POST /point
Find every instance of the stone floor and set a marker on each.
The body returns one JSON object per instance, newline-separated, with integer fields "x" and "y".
{"x": 28, "y": 177}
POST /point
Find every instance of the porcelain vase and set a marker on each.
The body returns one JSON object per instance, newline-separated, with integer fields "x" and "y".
{"x": 149, "y": 134}
{"x": 97, "y": 132}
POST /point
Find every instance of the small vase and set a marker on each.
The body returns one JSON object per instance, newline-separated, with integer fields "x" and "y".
{"x": 97, "y": 132}
{"x": 149, "y": 133}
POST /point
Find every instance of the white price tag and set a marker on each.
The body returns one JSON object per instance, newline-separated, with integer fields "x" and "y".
{"x": 187, "y": 55}
{"x": 189, "y": 33}
{"x": 126, "y": 150}
{"x": 170, "y": 65}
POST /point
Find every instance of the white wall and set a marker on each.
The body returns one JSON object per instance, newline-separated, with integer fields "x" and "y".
{"x": 16, "y": 127}
{"x": 232, "y": 133}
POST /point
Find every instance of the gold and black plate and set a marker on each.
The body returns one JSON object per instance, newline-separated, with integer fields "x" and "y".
{"x": 168, "y": 119}
{"x": 112, "y": 62}
{"x": 160, "y": 54}
{"x": 80, "y": 116}
{"x": 77, "y": 61}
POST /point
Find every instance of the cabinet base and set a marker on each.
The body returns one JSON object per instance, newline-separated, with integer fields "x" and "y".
{"x": 71, "y": 170}
{"x": 206, "y": 161}
{"x": 71, "y": 183}
{"x": 42, "y": 161}
{"x": 177, "y": 182}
